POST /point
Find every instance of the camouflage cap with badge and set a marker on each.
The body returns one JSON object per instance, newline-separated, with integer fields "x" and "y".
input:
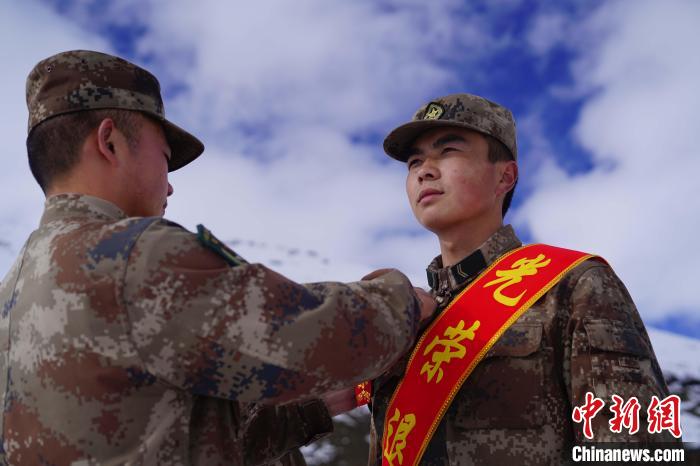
{"x": 82, "y": 80}
{"x": 458, "y": 110}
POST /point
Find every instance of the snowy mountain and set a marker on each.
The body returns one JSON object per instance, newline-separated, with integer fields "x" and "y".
{"x": 678, "y": 358}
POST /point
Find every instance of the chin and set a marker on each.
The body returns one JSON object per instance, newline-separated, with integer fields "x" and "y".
{"x": 430, "y": 224}
{"x": 438, "y": 223}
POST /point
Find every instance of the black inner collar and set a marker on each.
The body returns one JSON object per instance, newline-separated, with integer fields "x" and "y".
{"x": 466, "y": 269}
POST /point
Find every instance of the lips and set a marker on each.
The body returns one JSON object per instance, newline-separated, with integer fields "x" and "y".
{"x": 426, "y": 193}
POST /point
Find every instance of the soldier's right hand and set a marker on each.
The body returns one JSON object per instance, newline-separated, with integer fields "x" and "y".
{"x": 427, "y": 305}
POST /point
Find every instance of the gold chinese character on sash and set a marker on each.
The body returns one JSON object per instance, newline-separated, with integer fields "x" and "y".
{"x": 521, "y": 268}
{"x": 452, "y": 348}
{"x": 394, "y": 446}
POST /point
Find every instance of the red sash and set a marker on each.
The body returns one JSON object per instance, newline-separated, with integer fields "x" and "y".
{"x": 459, "y": 338}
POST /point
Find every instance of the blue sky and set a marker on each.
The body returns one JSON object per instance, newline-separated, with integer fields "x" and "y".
{"x": 293, "y": 99}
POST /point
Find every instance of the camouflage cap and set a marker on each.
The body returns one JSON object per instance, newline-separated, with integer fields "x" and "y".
{"x": 85, "y": 80}
{"x": 459, "y": 110}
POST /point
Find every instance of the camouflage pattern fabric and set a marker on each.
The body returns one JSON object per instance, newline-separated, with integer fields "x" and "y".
{"x": 126, "y": 341}
{"x": 459, "y": 110}
{"x": 585, "y": 334}
{"x": 254, "y": 434}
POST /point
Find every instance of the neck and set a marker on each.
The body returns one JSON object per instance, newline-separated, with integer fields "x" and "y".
{"x": 87, "y": 185}
{"x": 462, "y": 240}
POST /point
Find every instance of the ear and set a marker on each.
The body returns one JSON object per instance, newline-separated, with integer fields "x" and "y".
{"x": 509, "y": 175}
{"x": 106, "y": 133}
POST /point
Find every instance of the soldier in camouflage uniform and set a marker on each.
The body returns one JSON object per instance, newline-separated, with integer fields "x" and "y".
{"x": 127, "y": 339}
{"x": 584, "y": 335}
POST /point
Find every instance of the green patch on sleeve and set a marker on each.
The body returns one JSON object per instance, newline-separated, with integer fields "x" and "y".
{"x": 209, "y": 241}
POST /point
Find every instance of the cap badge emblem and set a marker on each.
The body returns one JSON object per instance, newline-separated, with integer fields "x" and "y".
{"x": 433, "y": 112}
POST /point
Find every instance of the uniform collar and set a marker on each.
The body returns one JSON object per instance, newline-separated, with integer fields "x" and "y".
{"x": 62, "y": 206}
{"x": 446, "y": 280}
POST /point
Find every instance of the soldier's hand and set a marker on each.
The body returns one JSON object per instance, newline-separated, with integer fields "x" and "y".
{"x": 427, "y": 302}
{"x": 340, "y": 401}
{"x": 427, "y": 305}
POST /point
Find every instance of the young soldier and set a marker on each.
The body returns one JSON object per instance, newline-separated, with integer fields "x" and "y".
{"x": 496, "y": 376}
{"x": 128, "y": 339}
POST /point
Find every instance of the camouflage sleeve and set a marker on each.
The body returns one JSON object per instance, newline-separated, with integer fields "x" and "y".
{"x": 249, "y": 334}
{"x": 273, "y": 433}
{"x": 609, "y": 353}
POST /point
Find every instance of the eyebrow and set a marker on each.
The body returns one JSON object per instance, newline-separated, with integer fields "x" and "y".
{"x": 446, "y": 139}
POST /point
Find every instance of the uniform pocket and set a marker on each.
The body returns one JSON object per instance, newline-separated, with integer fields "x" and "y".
{"x": 620, "y": 357}
{"x": 506, "y": 389}
{"x": 615, "y": 336}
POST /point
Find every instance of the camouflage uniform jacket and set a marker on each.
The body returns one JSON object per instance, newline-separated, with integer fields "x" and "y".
{"x": 585, "y": 334}
{"x": 126, "y": 341}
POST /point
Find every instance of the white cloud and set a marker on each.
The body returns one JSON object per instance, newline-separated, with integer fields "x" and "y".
{"x": 346, "y": 65}
{"x": 639, "y": 206}
{"x": 547, "y": 31}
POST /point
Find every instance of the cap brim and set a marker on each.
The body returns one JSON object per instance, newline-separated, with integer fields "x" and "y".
{"x": 185, "y": 147}
{"x": 397, "y": 143}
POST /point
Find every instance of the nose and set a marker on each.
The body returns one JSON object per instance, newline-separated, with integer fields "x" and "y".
{"x": 428, "y": 171}
{"x": 170, "y": 189}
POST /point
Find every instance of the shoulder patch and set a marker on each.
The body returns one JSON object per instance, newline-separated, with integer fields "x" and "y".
{"x": 209, "y": 241}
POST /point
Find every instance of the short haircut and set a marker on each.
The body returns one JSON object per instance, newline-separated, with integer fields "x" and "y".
{"x": 53, "y": 147}
{"x": 498, "y": 152}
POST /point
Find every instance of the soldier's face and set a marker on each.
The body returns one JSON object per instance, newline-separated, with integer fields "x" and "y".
{"x": 147, "y": 172}
{"x": 451, "y": 183}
